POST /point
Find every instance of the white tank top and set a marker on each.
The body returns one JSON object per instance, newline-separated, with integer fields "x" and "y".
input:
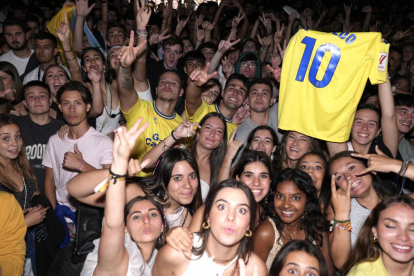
{"x": 204, "y": 266}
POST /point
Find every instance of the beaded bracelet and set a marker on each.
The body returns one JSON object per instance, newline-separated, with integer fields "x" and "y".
{"x": 341, "y": 224}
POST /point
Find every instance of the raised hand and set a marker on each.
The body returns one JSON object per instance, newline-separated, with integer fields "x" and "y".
{"x": 279, "y": 33}
{"x": 379, "y": 163}
{"x": 292, "y": 18}
{"x": 399, "y": 35}
{"x": 264, "y": 42}
{"x": 180, "y": 25}
{"x": 376, "y": 27}
{"x": 73, "y": 160}
{"x": 199, "y": 20}
{"x": 82, "y": 8}
{"x": 200, "y": 75}
{"x": 227, "y": 67}
{"x": 128, "y": 54}
{"x": 94, "y": 74}
{"x": 207, "y": 25}
{"x": 143, "y": 14}
{"x": 233, "y": 146}
{"x": 225, "y": 45}
{"x": 309, "y": 21}
{"x": 157, "y": 38}
{"x": 347, "y": 10}
{"x": 323, "y": 14}
{"x": 125, "y": 141}
{"x": 267, "y": 23}
{"x": 167, "y": 10}
{"x": 367, "y": 9}
{"x": 186, "y": 130}
{"x": 275, "y": 69}
{"x": 279, "y": 53}
{"x": 341, "y": 200}
{"x": 236, "y": 20}
{"x": 63, "y": 31}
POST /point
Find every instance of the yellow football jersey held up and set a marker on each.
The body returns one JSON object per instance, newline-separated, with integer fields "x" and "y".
{"x": 323, "y": 77}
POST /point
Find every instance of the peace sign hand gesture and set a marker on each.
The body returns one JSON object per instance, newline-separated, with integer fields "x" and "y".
{"x": 143, "y": 14}
{"x": 225, "y": 45}
{"x": 128, "y": 54}
{"x": 201, "y": 76}
{"x": 379, "y": 163}
{"x": 341, "y": 200}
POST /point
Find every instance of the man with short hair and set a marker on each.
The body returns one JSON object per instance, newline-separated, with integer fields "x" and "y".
{"x": 404, "y": 112}
{"x": 115, "y": 35}
{"x": 46, "y": 51}
{"x": 193, "y": 60}
{"x": 38, "y": 126}
{"x": 263, "y": 111}
{"x": 234, "y": 95}
{"x": 82, "y": 149}
{"x": 172, "y": 52}
{"x": 21, "y": 56}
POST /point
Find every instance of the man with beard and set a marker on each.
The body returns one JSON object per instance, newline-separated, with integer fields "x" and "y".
{"x": 46, "y": 51}
{"x": 20, "y": 55}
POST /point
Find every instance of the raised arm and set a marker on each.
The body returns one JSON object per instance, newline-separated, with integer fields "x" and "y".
{"x": 127, "y": 55}
{"x": 367, "y": 20}
{"x": 112, "y": 255}
{"x": 104, "y": 17}
{"x": 193, "y": 92}
{"x": 340, "y": 239}
{"x": 82, "y": 10}
{"x": 388, "y": 120}
{"x": 140, "y": 65}
{"x": 223, "y": 47}
{"x": 97, "y": 104}
{"x": 63, "y": 33}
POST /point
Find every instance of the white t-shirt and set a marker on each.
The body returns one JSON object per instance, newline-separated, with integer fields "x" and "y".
{"x": 96, "y": 149}
{"x": 19, "y": 63}
{"x": 37, "y": 74}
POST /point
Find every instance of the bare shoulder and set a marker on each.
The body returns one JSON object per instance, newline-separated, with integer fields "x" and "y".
{"x": 265, "y": 231}
{"x": 255, "y": 260}
{"x": 170, "y": 261}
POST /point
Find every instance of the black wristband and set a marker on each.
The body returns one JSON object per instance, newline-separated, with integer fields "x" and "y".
{"x": 172, "y": 135}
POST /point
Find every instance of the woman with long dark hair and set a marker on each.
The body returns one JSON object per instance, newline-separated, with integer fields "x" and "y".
{"x": 385, "y": 242}
{"x": 299, "y": 257}
{"x": 357, "y": 194}
{"x": 208, "y": 147}
{"x": 18, "y": 178}
{"x": 11, "y": 101}
{"x": 315, "y": 165}
{"x": 293, "y": 214}
{"x": 132, "y": 232}
{"x": 228, "y": 216}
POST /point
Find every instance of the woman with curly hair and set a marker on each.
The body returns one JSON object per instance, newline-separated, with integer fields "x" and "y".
{"x": 293, "y": 214}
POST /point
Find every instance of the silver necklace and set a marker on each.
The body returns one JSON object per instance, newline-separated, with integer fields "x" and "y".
{"x": 25, "y": 194}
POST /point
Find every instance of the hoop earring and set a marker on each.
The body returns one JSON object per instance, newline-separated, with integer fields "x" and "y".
{"x": 206, "y": 225}
{"x": 248, "y": 233}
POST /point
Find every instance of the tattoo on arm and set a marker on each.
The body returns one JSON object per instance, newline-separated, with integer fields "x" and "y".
{"x": 126, "y": 78}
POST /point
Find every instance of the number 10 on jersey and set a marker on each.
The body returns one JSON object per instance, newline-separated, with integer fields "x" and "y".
{"x": 316, "y": 62}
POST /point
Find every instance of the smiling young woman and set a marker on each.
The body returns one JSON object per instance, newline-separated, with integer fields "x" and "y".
{"x": 385, "y": 245}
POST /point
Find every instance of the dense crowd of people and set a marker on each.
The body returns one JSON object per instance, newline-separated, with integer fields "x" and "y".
{"x": 231, "y": 137}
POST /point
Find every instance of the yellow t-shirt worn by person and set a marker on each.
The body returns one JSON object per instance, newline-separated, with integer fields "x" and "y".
{"x": 204, "y": 109}
{"x": 160, "y": 127}
{"x": 375, "y": 268}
